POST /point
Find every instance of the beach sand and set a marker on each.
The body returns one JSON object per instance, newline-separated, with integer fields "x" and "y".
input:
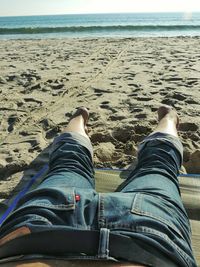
{"x": 121, "y": 81}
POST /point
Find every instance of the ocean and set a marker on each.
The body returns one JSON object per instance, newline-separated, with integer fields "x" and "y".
{"x": 100, "y": 25}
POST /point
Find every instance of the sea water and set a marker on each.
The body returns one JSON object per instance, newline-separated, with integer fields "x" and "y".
{"x": 101, "y": 25}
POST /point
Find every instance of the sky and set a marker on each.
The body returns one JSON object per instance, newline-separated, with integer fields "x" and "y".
{"x": 47, "y": 7}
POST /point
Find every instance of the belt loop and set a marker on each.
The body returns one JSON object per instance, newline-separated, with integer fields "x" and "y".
{"x": 103, "y": 251}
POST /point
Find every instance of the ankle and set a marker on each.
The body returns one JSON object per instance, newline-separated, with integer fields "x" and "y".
{"x": 172, "y": 118}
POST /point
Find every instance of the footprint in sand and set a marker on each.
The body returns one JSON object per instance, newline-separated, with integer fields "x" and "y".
{"x": 178, "y": 96}
{"x": 170, "y": 102}
{"x": 2, "y": 80}
{"x": 105, "y": 102}
{"x": 117, "y": 117}
{"x": 123, "y": 133}
{"x": 101, "y": 91}
{"x": 51, "y": 130}
{"x": 33, "y": 102}
{"x": 141, "y": 116}
{"x": 57, "y": 86}
{"x": 31, "y": 75}
{"x": 101, "y": 136}
{"x": 191, "y": 101}
{"x": 142, "y": 129}
{"x": 11, "y": 77}
{"x": 144, "y": 98}
{"x": 52, "y": 133}
{"x": 188, "y": 126}
{"x": 191, "y": 82}
{"x": 12, "y": 120}
{"x": 106, "y": 105}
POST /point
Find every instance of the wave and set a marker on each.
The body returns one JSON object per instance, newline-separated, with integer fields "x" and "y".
{"x": 112, "y": 28}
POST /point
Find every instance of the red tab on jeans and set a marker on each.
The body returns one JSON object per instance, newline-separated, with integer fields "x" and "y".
{"x": 77, "y": 197}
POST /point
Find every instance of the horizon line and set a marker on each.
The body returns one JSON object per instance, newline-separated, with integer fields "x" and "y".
{"x": 96, "y": 13}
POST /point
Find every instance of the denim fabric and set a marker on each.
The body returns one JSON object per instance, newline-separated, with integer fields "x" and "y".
{"x": 147, "y": 206}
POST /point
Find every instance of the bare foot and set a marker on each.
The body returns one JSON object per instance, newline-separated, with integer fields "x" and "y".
{"x": 169, "y": 113}
{"x": 82, "y": 111}
{"x": 168, "y": 121}
{"x": 78, "y": 122}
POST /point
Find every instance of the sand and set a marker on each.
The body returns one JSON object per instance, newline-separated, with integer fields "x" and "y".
{"x": 121, "y": 81}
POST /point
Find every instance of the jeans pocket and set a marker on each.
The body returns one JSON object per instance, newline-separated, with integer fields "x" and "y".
{"x": 157, "y": 211}
{"x": 49, "y": 198}
{"x": 44, "y": 207}
{"x": 115, "y": 211}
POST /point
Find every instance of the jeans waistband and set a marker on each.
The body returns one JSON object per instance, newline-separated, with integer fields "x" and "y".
{"x": 84, "y": 244}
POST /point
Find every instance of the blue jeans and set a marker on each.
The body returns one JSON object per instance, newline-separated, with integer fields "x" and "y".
{"x": 146, "y": 206}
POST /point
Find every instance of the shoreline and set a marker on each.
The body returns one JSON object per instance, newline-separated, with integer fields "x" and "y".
{"x": 101, "y": 37}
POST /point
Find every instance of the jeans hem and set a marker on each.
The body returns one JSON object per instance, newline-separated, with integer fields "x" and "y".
{"x": 79, "y": 138}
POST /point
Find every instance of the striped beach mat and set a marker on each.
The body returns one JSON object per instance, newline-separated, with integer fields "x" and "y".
{"x": 107, "y": 180}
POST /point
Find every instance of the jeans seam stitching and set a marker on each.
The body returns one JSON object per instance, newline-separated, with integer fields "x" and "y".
{"x": 164, "y": 236}
{"x": 138, "y": 210}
